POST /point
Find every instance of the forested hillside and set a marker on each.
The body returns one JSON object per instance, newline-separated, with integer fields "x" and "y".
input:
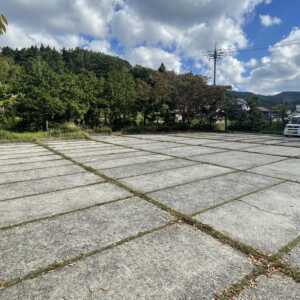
{"x": 291, "y": 99}
{"x": 40, "y": 86}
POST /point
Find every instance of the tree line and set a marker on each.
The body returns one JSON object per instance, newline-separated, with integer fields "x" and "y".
{"x": 40, "y": 85}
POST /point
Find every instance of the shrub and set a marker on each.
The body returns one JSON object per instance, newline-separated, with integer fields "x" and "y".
{"x": 69, "y": 127}
{"x": 103, "y": 130}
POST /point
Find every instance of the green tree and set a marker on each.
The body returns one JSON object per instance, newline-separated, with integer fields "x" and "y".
{"x": 9, "y": 74}
{"x": 282, "y": 110}
{"x": 188, "y": 94}
{"x": 120, "y": 93}
{"x": 74, "y": 98}
{"x": 38, "y": 98}
{"x": 93, "y": 89}
{"x": 256, "y": 117}
{"x": 144, "y": 101}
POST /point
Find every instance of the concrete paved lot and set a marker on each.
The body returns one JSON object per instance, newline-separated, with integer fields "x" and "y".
{"x": 176, "y": 216}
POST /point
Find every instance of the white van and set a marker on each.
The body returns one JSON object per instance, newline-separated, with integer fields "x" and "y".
{"x": 293, "y": 127}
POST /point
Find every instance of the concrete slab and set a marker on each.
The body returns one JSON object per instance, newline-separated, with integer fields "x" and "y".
{"x": 266, "y": 220}
{"x": 291, "y": 143}
{"x": 177, "y": 262}
{"x": 232, "y": 145}
{"x": 10, "y": 156}
{"x": 145, "y": 168}
{"x": 165, "y": 138}
{"x": 34, "y": 165}
{"x": 87, "y": 149}
{"x": 130, "y": 141}
{"x": 202, "y": 141}
{"x": 206, "y": 141}
{"x": 195, "y": 197}
{"x": 287, "y": 169}
{"x": 197, "y": 135}
{"x": 90, "y": 148}
{"x": 82, "y": 147}
{"x": 30, "y": 188}
{"x": 122, "y": 140}
{"x": 188, "y": 141}
{"x": 153, "y": 146}
{"x": 229, "y": 137}
{"x": 14, "y": 161}
{"x": 37, "y": 245}
{"x": 162, "y": 138}
{"x": 59, "y": 143}
{"x": 39, "y": 173}
{"x": 237, "y": 159}
{"x": 75, "y": 144}
{"x": 276, "y": 287}
{"x": 168, "y": 178}
{"x": 148, "y": 136}
{"x": 109, "y": 157}
{"x": 41, "y": 206}
{"x": 293, "y": 258}
{"x": 113, "y": 163}
{"x": 16, "y": 145}
{"x": 98, "y": 152}
{"x": 188, "y": 151}
{"x": 25, "y": 150}
{"x": 264, "y": 141}
{"x": 277, "y": 150}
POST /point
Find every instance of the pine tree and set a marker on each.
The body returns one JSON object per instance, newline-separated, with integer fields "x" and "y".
{"x": 162, "y": 68}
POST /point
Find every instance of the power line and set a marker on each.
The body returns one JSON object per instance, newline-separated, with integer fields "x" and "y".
{"x": 218, "y": 54}
{"x": 234, "y": 50}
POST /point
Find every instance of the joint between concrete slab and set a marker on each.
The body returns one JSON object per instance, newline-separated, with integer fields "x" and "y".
{"x": 40, "y": 178}
{"x": 57, "y": 190}
{"x": 54, "y": 216}
{"x": 33, "y": 169}
{"x": 61, "y": 264}
{"x": 274, "y": 177}
{"x": 238, "y": 198}
{"x": 26, "y": 163}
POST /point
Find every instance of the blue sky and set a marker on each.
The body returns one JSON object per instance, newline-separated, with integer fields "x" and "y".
{"x": 176, "y": 32}
{"x": 259, "y": 35}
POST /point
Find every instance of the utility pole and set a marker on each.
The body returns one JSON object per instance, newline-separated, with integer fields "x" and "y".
{"x": 215, "y": 56}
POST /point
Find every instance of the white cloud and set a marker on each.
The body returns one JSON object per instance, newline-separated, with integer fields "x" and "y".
{"x": 99, "y": 46}
{"x": 19, "y": 38}
{"x": 131, "y": 30}
{"x": 269, "y": 21}
{"x": 153, "y": 57}
{"x": 230, "y": 71}
{"x": 61, "y": 17}
{"x": 280, "y": 70}
{"x": 204, "y": 36}
{"x": 68, "y": 23}
{"x": 184, "y": 24}
{"x": 186, "y": 13}
{"x": 251, "y": 63}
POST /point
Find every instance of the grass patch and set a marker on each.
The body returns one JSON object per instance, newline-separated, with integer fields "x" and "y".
{"x": 8, "y": 136}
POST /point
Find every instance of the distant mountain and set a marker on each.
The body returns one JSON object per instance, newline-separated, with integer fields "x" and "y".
{"x": 290, "y": 98}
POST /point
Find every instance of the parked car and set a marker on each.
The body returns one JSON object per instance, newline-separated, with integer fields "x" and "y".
{"x": 293, "y": 127}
